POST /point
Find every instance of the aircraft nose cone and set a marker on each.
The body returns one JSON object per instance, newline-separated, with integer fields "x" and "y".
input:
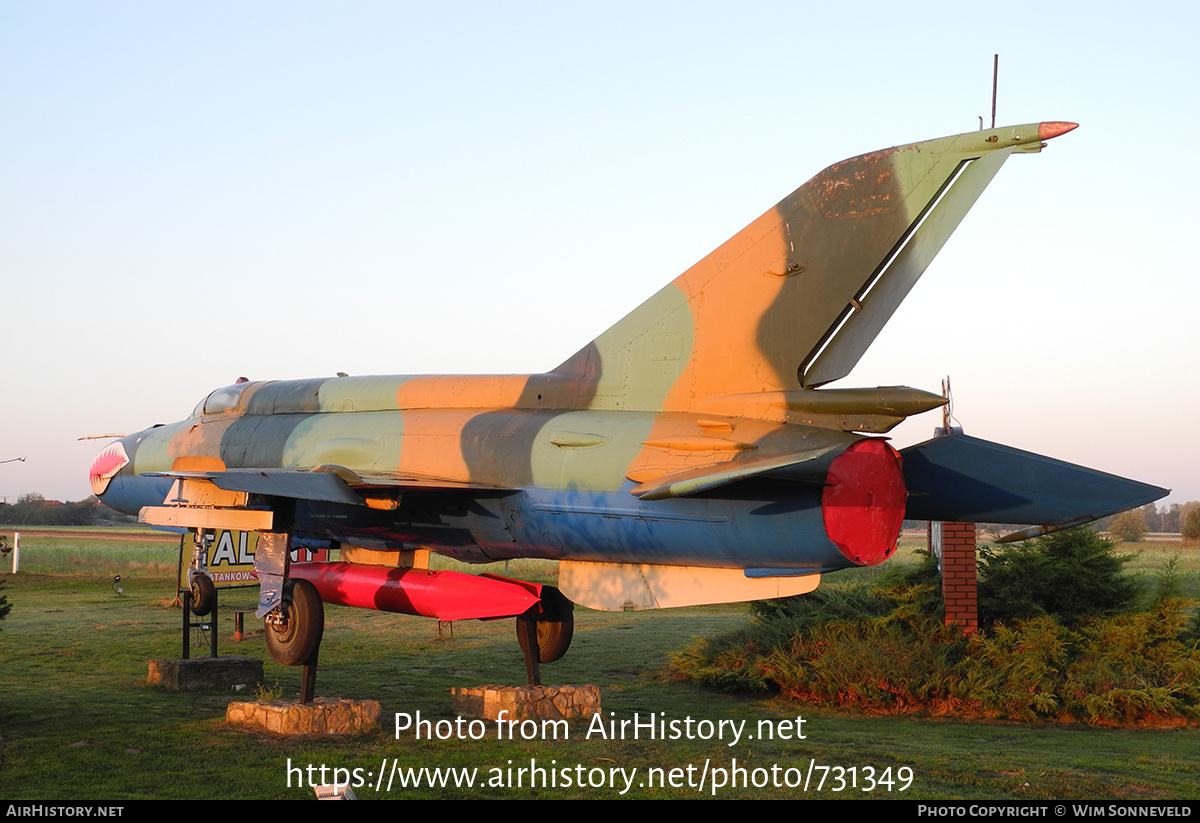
{"x": 105, "y": 466}
{"x": 1054, "y": 128}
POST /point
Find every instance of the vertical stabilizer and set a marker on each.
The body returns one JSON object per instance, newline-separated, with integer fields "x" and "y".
{"x": 795, "y": 298}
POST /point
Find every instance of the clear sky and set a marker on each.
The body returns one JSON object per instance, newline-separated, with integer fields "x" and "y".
{"x": 192, "y": 192}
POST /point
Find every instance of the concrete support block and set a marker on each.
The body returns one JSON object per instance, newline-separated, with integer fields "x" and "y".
{"x": 323, "y": 717}
{"x": 206, "y": 673}
{"x": 526, "y": 702}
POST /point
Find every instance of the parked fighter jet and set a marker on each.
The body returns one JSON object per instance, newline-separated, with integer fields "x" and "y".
{"x": 685, "y": 456}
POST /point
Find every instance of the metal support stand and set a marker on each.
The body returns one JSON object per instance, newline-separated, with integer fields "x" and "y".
{"x": 308, "y": 678}
{"x": 528, "y": 626}
{"x": 209, "y": 621}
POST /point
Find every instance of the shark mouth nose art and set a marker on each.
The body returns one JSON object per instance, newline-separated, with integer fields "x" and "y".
{"x": 105, "y": 466}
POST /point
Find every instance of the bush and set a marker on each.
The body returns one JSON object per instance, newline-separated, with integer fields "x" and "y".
{"x": 872, "y": 646}
{"x": 1129, "y": 527}
{"x": 904, "y": 662}
{"x": 1060, "y": 654}
{"x": 1190, "y": 531}
{"x": 1128, "y": 669}
{"x": 1135, "y": 668}
{"x": 1016, "y": 671}
{"x": 1072, "y": 575}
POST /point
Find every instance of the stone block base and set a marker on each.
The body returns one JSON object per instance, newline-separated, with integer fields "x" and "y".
{"x": 206, "y": 673}
{"x": 323, "y": 716}
{"x": 526, "y": 702}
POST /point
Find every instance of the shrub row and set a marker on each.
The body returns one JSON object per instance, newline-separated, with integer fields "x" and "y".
{"x": 885, "y": 648}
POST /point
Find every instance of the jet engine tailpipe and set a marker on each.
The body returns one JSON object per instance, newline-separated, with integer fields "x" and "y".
{"x": 863, "y": 501}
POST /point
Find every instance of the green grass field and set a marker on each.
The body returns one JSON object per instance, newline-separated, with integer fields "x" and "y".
{"x": 79, "y": 723}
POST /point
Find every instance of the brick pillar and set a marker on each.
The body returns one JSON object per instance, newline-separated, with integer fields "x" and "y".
{"x": 958, "y": 575}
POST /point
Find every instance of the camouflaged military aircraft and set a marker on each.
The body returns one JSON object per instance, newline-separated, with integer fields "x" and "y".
{"x": 687, "y": 455}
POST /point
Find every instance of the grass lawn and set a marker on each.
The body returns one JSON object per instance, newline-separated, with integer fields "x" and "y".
{"x": 79, "y": 723}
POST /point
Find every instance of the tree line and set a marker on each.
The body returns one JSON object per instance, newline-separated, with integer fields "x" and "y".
{"x": 31, "y": 509}
{"x": 1132, "y": 525}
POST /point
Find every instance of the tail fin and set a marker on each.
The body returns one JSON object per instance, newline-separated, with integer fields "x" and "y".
{"x": 795, "y": 298}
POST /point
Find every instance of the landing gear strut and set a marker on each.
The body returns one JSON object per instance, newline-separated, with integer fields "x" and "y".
{"x": 204, "y": 594}
{"x": 294, "y": 630}
{"x": 551, "y": 631}
{"x": 203, "y": 591}
{"x": 292, "y": 609}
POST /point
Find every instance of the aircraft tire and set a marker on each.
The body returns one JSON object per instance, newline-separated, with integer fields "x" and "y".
{"x": 204, "y": 594}
{"x": 555, "y": 626}
{"x": 297, "y": 642}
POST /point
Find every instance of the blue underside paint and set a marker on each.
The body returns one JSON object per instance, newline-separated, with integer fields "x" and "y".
{"x": 770, "y": 527}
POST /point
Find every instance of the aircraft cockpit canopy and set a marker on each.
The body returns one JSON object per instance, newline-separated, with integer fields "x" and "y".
{"x": 224, "y": 399}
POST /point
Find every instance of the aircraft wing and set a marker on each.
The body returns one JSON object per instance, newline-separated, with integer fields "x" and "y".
{"x": 330, "y": 484}
{"x": 963, "y": 478}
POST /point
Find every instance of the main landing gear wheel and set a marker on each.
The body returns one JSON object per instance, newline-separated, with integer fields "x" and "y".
{"x": 555, "y": 626}
{"x": 294, "y": 634}
{"x": 204, "y": 594}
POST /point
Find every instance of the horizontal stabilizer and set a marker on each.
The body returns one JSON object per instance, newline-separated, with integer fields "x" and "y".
{"x": 962, "y": 478}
